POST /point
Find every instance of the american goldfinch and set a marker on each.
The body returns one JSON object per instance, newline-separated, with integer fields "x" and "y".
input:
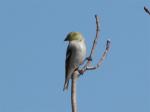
{"x": 75, "y": 54}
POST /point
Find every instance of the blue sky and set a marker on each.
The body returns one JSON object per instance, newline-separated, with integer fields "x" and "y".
{"x": 32, "y": 54}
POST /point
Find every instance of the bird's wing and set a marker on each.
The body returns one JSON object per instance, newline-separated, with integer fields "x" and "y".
{"x": 68, "y": 63}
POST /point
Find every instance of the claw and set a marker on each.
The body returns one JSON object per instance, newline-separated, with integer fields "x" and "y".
{"x": 81, "y": 71}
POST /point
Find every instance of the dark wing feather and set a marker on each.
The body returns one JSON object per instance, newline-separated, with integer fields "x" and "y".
{"x": 67, "y": 64}
{"x": 67, "y": 68}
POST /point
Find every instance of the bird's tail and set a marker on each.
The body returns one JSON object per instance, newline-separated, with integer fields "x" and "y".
{"x": 66, "y": 85}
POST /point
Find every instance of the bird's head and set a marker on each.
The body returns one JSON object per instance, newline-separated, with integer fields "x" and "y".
{"x": 74, "y": 36}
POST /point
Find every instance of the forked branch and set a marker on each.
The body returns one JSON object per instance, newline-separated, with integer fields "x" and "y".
{"x": 87, "y": 65}
{"x": 101, "y": 59}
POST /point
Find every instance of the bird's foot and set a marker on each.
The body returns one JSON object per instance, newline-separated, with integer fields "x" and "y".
{"x": 81, "y": 72}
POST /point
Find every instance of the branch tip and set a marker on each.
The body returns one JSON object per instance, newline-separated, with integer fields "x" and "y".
{"x": 96, "y": 15}
{"x": 108, "y": 44}
{"x": 147, "y": 10}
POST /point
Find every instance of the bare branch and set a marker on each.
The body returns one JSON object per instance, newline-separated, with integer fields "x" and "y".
{"x": 102, "y": 58}
{"x": 87, "y": 66}
{"x": 73, "y": 92}
{"x": 89, "y": 59}
{"x": 77, "y": 73}
{"x": 147, "y": 10}
{"x": 96, "y": 37}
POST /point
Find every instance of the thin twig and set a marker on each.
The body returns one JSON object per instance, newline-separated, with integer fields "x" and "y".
{"x": 96, "y": 37}
{"x": 102, "y": 58}
{"x": 147, "y": 10}
{"x": 89, "y": 59}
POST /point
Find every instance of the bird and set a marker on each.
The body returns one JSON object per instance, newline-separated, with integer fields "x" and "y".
{"x": 75, "y": 54}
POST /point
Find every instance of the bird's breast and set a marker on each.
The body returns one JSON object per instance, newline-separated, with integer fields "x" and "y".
{"x": 79, "y": 51}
